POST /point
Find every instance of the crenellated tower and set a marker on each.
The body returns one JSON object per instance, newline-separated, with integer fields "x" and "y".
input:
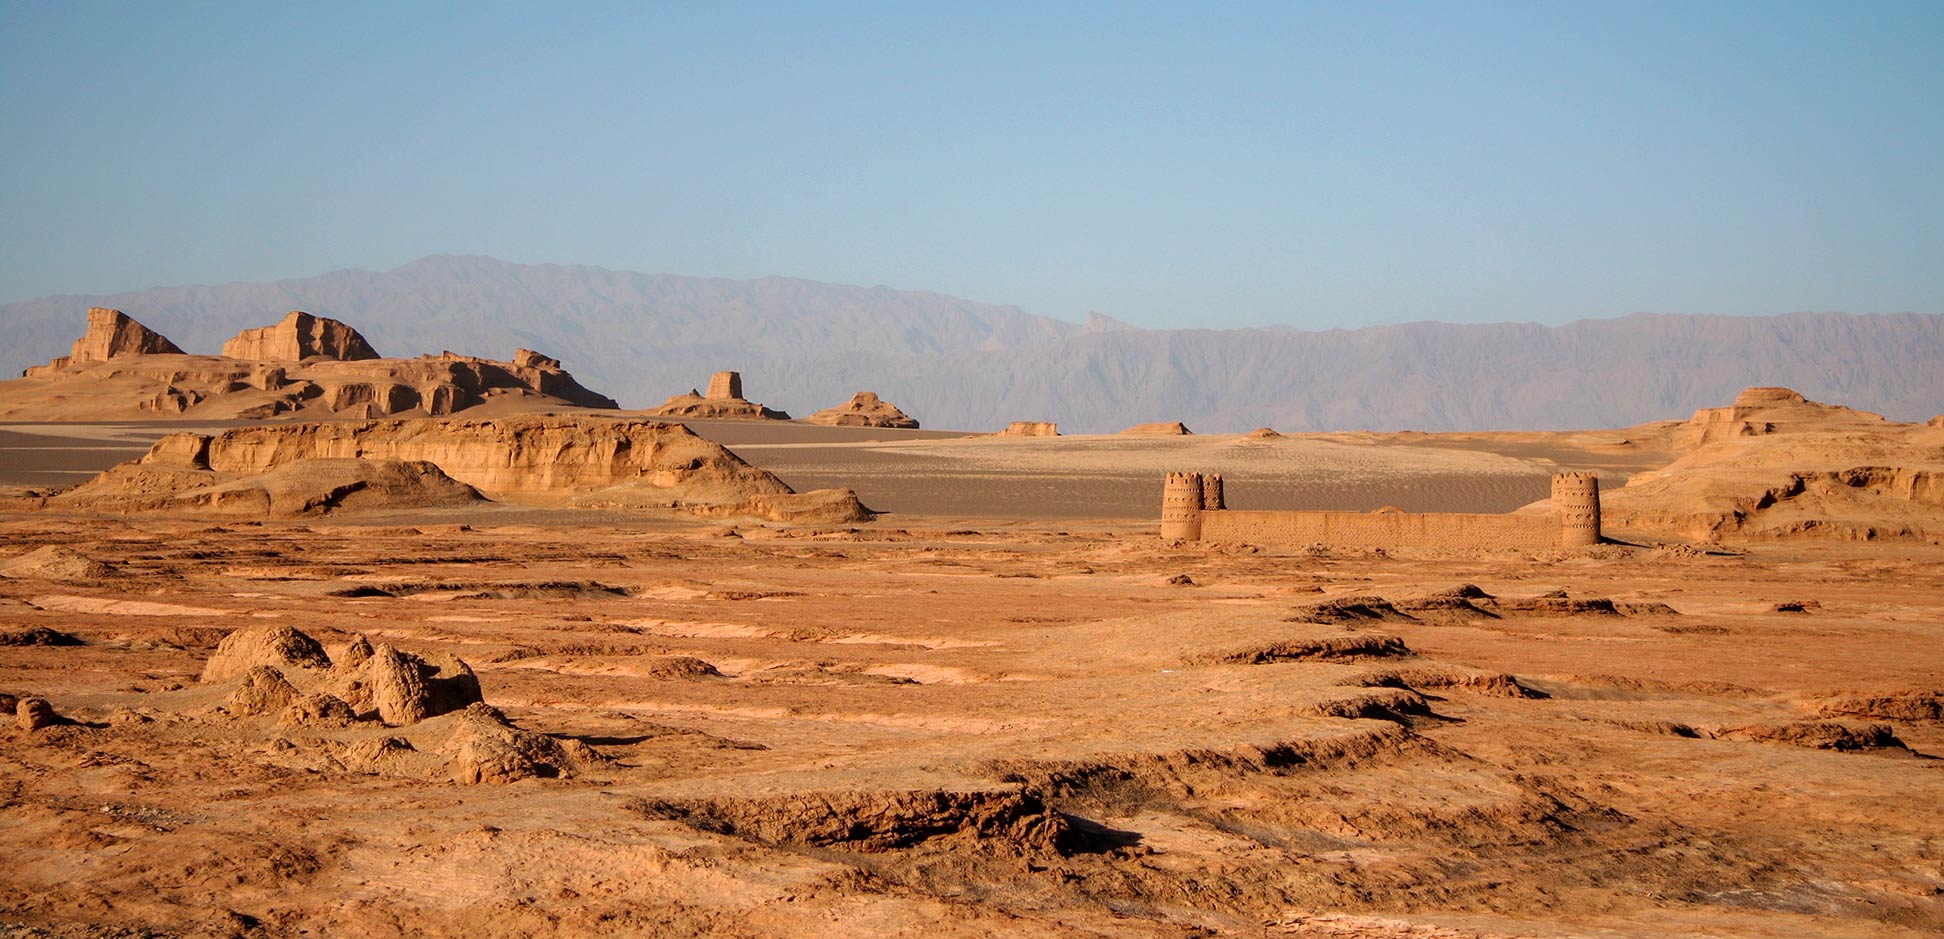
{"x": 1181, "y": 507}
{"x": 1212, "y": 500}
{"x": 1576, "y": 502}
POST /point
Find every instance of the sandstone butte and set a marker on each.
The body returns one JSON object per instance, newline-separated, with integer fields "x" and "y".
{"x": 1031, "y": 429}
{"x": 724, "y": 401}
{"x": 304, "y": 366}
{"x": 864, "y": 409}
{"x": 1160, "y": 429}
{"x": 286, "y": 470}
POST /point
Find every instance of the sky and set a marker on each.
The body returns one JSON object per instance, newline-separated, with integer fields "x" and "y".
{"x": 1196, "y": 164}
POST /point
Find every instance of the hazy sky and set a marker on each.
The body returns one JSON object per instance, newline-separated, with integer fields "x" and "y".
{"x": 1177, "y": 164}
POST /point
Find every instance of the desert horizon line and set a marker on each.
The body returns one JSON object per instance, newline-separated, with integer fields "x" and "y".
{"x": 1084, "y": 320}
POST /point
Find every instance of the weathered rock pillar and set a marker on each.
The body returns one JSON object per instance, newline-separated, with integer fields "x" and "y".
{"x": 725, "y": 385}
{"x": 1212, "y": 493}
{"x": 1181, "y": 507}
{"x": 1576, "y": 502}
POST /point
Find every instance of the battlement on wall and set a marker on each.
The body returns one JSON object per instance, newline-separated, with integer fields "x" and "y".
{"x": 1193, "y": 509}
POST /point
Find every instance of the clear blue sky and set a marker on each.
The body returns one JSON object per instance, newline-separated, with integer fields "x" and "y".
{"x": 1170, "y": 164}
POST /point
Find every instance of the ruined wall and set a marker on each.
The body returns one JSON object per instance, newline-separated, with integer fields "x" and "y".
{"x": 1193, "y": 509}
{"x": 1381, "y": 529}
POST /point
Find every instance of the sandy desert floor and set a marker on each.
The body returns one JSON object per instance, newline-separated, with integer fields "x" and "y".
{"x": 1010, "y": 729}
{"x": 1004, "y": 708}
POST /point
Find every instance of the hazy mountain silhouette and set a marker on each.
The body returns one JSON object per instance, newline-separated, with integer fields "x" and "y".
{"x": 953, "y": 363}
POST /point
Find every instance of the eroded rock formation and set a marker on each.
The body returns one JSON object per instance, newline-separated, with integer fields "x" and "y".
{"x": 303, "y": 366}
{"x": 864, "y": 409}
{"x": 1031, "y": 429}
{"x": 111, "y": 334}
{"x": 299, "y": 469}
{"x": 723, "y": 402}
{"x": 299, "y": 336}
{"x": 1775, "y": 464}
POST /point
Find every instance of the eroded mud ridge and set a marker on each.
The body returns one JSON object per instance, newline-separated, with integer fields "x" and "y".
{"x": 430, "y": 728}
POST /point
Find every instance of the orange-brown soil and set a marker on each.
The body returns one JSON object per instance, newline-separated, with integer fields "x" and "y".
{"x": 1007, "y": 708}
{"x": 1030, "y": 731}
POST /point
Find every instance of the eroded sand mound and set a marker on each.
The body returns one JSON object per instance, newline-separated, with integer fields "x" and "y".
{"x": 56, "y": 562}
{"x": 1775, "y": 464}
{"x": 296, "y": 489}
{"x": 1031, "y": 429}
{"x": 864, "y": 409}
{"x": 304, "y": 365}
{"x": 306, "y": 469}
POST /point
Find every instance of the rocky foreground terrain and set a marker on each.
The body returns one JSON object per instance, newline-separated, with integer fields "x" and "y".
{"x": 481, "y": 724}
{"x": 590, "y": 676}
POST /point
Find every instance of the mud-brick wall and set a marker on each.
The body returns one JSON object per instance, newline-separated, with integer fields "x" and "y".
{"x": 1385, "y": 530}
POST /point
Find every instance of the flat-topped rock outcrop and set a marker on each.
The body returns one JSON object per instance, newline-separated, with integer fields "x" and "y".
{"x": 1160, "y": 429}
{"x": 304, "y": 366}
{"x": 299, "y": 336}
{"x": 724, "y": 401}
{"x": 864, "y": 409}
{"x": 305, "y": 469}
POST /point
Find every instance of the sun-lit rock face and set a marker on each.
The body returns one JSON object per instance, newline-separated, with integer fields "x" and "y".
{"x": 299, "y": 336}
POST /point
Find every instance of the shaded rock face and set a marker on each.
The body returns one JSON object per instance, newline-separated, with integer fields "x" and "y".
{"x": 864, "y": 409}
{"x": 300, "y": 336}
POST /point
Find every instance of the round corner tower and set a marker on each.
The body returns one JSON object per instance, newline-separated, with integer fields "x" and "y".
{"x": 1576, "y": 503}
{"x": 1181, "y": 507}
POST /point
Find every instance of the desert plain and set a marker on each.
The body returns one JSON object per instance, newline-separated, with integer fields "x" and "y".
{"x": 261, "y": 687}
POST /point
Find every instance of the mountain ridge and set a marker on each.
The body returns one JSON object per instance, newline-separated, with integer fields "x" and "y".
{"x": 804, "y": 345}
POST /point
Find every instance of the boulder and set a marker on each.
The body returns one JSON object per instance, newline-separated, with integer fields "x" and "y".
{"x": 264, "y": 690}
{"x": 280, "y": 647}
{"x": 35, "y": 713}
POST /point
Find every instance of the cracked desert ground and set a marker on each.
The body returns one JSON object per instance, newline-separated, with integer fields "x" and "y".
{"x": 1004, "y": 708}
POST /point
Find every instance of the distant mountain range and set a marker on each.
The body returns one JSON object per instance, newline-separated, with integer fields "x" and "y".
{"x": 951, "y": 363}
